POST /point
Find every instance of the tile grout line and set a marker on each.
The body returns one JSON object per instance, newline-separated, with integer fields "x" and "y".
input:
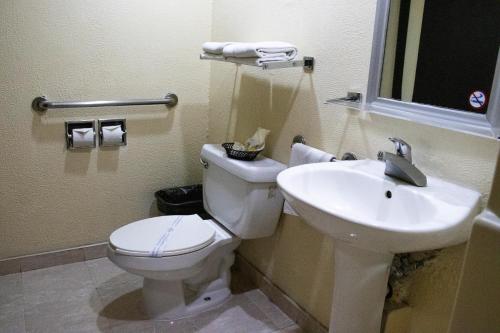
{"x": 95, "y": 283}
{"x": 95, "y": 286}
{"x": 24, "y": 302}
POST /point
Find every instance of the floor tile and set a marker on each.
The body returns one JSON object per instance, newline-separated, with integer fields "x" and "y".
{"x": 238, "y": 313}
{"x": 176, "y": 326}
{"x": 54, "y": 293}
{"x": 12, "y": 324}
{"x": 133, "y": 327}
{"x": 103, "y": 270}
{"x": 97, "y": 296}
{"x": 291, "y": 329}
{"x": 126, "y": 310}
{"x": 10, "y": 288}
{"x": 12, "y": 315}
{"x": 60, "y": 303}
{"x": 57, "y": 278}
{"x": 282, "y": 301}
{"x": 111, "y": 281}
{"x": 71, "y": 324}
{"x": 278, "y": 318}
{"x": 67, "y": 311}
{"x": 121, "y": 296}
{"x": 62, "y": 299}
{"x": 11, "y": 304}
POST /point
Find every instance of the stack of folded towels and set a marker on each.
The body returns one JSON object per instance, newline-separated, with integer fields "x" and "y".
{"x": 249, "y": 53}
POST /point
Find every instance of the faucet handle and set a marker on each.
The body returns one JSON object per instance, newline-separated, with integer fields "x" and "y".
{"x": 403, "y": 149}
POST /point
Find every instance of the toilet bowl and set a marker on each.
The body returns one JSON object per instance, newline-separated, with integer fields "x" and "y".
{"x": 185, "y": 261}
{"x": 184, "y": 278}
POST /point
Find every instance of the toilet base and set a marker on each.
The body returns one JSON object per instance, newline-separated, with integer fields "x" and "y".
{"x": 184, "y": 285}
{"x": 171, "y": 300}
{"x": 175, "y": 299}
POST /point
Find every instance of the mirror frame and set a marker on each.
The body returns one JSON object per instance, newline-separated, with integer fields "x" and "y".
{"x": 480, "y": 124}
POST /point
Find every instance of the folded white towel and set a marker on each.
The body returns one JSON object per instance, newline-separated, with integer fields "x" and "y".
{"x": 244, "y": 61}
{"x": 256, "y": 61}
{"x": 210, "y": 56}
{"x": 303, "y": 154}
{"x": 214, "y": 47}
{"x": 260, "y": 50}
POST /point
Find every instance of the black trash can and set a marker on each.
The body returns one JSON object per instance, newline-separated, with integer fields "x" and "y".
{"x": 183, "y": 200}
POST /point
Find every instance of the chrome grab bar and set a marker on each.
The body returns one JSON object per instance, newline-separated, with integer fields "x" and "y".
{"x": 42, "y": 104}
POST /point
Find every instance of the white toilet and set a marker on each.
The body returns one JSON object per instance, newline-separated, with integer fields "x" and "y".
{"x": 185, "y": 260}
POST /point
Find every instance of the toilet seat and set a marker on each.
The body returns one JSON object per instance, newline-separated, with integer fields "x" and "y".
{"x": 162, "y": 236}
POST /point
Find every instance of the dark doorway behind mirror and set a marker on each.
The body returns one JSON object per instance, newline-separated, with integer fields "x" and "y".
{"x": 441, "y": 53}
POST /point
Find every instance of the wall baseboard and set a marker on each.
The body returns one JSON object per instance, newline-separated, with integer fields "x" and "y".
{"x": 307, "y": 322}
{"x": 53, "y": 258}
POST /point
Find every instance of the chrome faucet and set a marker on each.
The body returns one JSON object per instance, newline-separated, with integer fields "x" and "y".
{"x": 400, "y": 165}
{"x": 403, "y": 149}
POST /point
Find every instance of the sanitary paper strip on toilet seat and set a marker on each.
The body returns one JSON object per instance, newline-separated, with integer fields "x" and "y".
{"x": 164, "y": 238}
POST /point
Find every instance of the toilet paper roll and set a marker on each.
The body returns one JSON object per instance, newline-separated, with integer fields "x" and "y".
{"x": 83, "y": 137}
{"x": 112, "y": 135}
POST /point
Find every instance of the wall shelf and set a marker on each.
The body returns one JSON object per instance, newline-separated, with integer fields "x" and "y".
{"x": 307, "y": 63}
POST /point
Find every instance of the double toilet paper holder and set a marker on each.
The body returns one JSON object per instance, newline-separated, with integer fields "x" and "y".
{"x": 81, "y": 134}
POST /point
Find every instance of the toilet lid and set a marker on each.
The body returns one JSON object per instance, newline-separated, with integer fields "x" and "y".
{"x": 162, "y": 236}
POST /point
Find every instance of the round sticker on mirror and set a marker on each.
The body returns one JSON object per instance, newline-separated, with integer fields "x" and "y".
{"x": 477, "y": 99}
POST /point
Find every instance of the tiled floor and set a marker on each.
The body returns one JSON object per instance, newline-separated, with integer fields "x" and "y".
{"x": 97, "y": 296}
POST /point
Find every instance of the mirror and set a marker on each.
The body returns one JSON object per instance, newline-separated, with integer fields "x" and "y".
{"x": 441, "y": 53}
{"x": 437, "y": 63}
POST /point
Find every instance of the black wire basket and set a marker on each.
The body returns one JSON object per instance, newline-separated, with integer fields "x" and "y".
{"x": 240, "y": 154}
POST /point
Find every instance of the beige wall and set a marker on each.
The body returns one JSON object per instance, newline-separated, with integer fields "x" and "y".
{"x": 51, "y": 198}
{"x": 476, "y": 307}
{"x": 288, "y": 102}
{"x": 494, "y": 201}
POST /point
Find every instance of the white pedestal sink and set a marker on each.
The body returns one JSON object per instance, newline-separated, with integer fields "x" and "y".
{"x": 372, "y": 216}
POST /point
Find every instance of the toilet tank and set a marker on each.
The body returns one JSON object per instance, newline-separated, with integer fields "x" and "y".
{"x": 241, "y": 195}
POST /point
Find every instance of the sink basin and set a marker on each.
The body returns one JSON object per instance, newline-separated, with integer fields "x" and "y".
{"x": 371, "y": 216}
{"x": 355, "y": 202}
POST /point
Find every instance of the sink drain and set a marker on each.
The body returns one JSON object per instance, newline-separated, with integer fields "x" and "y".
{"x": 388, "y": 194}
